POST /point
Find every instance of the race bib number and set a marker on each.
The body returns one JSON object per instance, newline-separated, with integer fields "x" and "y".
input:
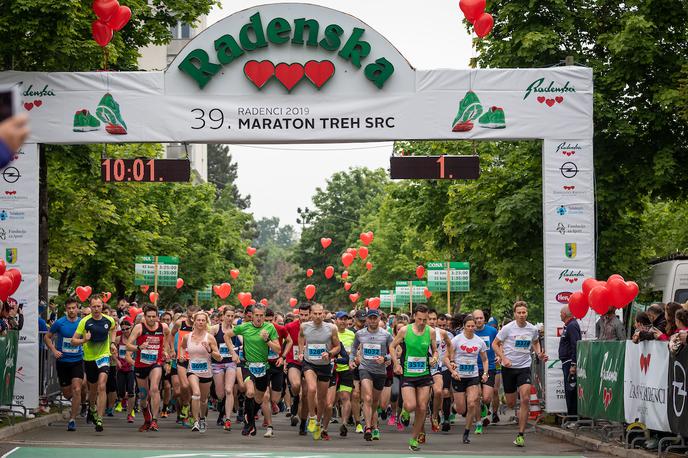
{"x": 122, "y": 351}
{"x": 67, "y": 346}
{"x": 149, "y": 356}
{"x": 224, "y": 351}
{"x": 416, "y": 364}
{"x": 522, "y": 344}
{"x": 295, "y": 352}
{"x": 272, "y": 354}
{"x": 371, "y": 351}
{"x": 103, "y": 361}
{"x": 467, "y": 367}
{"x": 198, "y": 365}
{"x": 257, "y": 369}
{"x": 315, "y": 351}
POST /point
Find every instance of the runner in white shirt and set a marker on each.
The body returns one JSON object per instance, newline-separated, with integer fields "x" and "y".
{"x": 513, "y": 346}
{"x": 466, "y": 348}
{"x": 441, "y": 377}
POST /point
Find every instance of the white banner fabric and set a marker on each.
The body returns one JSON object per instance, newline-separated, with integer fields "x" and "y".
{"x": 646, "y": 384}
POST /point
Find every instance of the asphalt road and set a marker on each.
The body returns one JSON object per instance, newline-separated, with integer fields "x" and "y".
{"x": 120, "y": 439}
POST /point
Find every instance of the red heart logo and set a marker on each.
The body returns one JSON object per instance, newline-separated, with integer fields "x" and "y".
{"x": 580, "y": 392}
{"x": 259, "y": 73}
{"x": 319, "y": 72}
{"x": 606, "y": 398}
{"x": 559, "y": 99}
{"x": 289, "y": 75}
{"x": 645, "y": 362}
{"x": 550, "y": 102}
{"x": 541, "y": 99}
{"x": 28, "y": 106}
{"x": 38, "y": 103}
{"x": 463, "y": 347}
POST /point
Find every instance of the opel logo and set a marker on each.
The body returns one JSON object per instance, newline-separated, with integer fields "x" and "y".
{"x": 679, "y": 386}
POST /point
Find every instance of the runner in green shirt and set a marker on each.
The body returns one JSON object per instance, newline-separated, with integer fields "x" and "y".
{"x": 258, "y": 336}
{"x": 417, "y": 343}
{"x": 97, "y": 333}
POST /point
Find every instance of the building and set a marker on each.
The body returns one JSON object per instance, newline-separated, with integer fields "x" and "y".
{"x": 158, "y": 57}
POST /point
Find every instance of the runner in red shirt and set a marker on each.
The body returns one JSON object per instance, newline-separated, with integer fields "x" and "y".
{"x": 151, "y": 340}
{"x": 294, "y": 374}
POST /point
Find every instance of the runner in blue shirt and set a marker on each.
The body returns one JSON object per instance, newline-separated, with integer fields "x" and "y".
{"x": 69, "y": 358}
{"x": 487, "y": 334}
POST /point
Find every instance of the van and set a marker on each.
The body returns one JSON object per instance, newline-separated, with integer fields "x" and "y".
{"x": 670, "y": 278}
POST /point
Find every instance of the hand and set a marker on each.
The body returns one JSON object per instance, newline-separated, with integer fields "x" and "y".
{"x": 264, "y": 335}
{"x": 433, "y": 361}
{"x": 279, "y": 362}
{"x": 455, "y": 375}
{"x": 485, "y": 376}
{"x": 379, "y": 360}
{"x": 118, "y": 363}
{"x": 14, "y": 130}
{"x": 236, "y": 358}
{"x": 352, "y": 365}
{"x": 657, "y": 333}
{"x": 58, "y": 354}
{"x": 506, "y": 362}
{"x": 543, "y": 357}
{"x": 572, "y": 370}
{"x": 452, "y": 366}
{"x": 325, "y": 355}
{"x": 144, "y": 345}
{"x": 87, "y": 336}
{"x": 357, "y": 360}
{"x": 397, "y": 369}
{"x": 635, "y": 338}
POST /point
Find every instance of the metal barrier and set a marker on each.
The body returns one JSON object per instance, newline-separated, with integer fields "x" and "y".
{"x": 49, "y": 386}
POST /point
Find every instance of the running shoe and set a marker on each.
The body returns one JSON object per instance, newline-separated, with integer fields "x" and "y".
{"x": 130, "y": 418}
{"x": 202, "y": 425}
{"x": 343, "y": 431}
{"x": 413, "y": 445}
{"x": 493, "y": 119}
{"x": 446, "y": 426}
{"x": 294, "y": 420}
{"x": 109, "y": 412}
{"x": 495, "y": 418}
{"x": 144, "y": 427}
{"x": 196, "y": 426}
{"x": 228, "y": 425}
{"x": 246, "y": 430}
{"x": 84, "y": 410}
{"x": 324, "y": 435}
{"x": 392, "y": 420}
{"x": 520, "y": 441}
{"x": 99, "y": 424}
{"x": 147, "y": 416}
{"x": 483, "y": 407}
{"x": 220, "y": 420}
{"x": 153, "y": 426}
{"x": 317, "y": 433}
{"x": 466, "y": 440}
{"x": 269, "y": 432}
{"x": 400, "y": 426}
{"x": 85, "y": 121}
{"x": 359, "y": 428}
{"x": 185, "y": 412}
{"x": 118, "y": 407}
{"x": 470, "y": 109}
{"x": 376, "y": 434}
{"x": 90, "y": 416}
{"x": 405, "y": 417}
{"x": 108, "y": 112}
{"x": 275, "y": 408}
{"x": 478, "y": 428}
{"x": 435, "y": 425}
{"x": 452, "y": 418}
{"x": 368, "y": 434}
{"x": 312, "y": 423}
{"x": 164, "y": 413}
{"x": 421, "y": 438}
{"x": 71, "y": 426}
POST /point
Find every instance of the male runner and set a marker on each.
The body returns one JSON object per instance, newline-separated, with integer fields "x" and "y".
{"x": 294, "y": 373}
{"x": 373, "y": 343}
{"x": 344, "y": 375}
{"x": 488, "y": 334}
{"x": 180, "y": 381}
{"x": 259, "y": 336}
{"x": 512, "y": 346}
{"x": 318, "y": 347}
{"x": 359, "y": 322}
{"x": 441, "y": 377}
{"x": 275, "y": 373}
{"x": 69, "y": 359}
{"x": 97, "y": 333}
{"x": 151, "y": 340}
{"x": 416, "y": 382}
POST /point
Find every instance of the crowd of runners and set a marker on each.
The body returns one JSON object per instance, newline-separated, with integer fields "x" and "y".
{"x": 357, "y": 369}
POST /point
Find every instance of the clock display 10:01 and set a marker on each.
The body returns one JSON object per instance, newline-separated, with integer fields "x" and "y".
{"x": 127, "y": 170}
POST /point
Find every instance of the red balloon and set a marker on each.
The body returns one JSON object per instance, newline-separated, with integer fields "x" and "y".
{"x": 347, "y": 259}
{"x": 631, "y": 292}
{"x": 264, "y": 302}
{"x": 244, "y": 299}
{"x": 599, "y": 299}
{"x": 120, "y": 18}
{"x": 223, "y": 290}
{"x": 613, "y": 276}
{"x": 427, "y": 293}
{"x": 374, "y": 303}
{"x": 253, "y": 302}
{"x": 354, "y": 297}
{"x": 329, "y": 272}
{"x": 3, "y": 266}
{"x": 107, "y": 296}
{"x": 144, "y": 288}
{"x": 325, "y": 242}
{"x": 234, "y": 273}
{"x": 345, "y": 275}
{"x": 105, "y": 9}
{"x": 589, "y": 284}
{"x": 472, "y": 9}
{"x": 347, "y": 286}
{"x": 153, "y": 297}
{"x": 616, "y": 286}
{"x": 363, "y": 252}
{"x": 102, "y": 33}
{"x": 483, "y": 25}
{"x": 293, "y": 302}
{"x": 353, "y": 251}
{"x": 420, "y": 271}
{"x": 366, "y": 237}
{"x": 309, "y": 291}
{"x": 16, "y": 277}
{"x": 369, "y": 265}
{"x": 180, "y": 282}
{"x": 83, "y": 292}
{"x": 5, "y": 286}
{"x": 578, "y": 304}
{"x": 250, "y": 251}
{"x": 309, "y": 273}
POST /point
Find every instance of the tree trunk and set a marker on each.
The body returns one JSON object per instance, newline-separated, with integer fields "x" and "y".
{"x": 43, "y": 267}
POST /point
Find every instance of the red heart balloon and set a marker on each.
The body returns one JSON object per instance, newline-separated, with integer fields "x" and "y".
{"x": 309, "y": 273}
{"x": 223, "y": 290}
{"x": 3, "y": 266}
{"x": 369, "y": 265}
{"x": 105, "y": 9}
{"x": 420, "y": 271}
{"x": 102, "y": 33}
{"x": 347, "y": 286}
{"x": 366, "y": 237}
{"x": 293, "y": 302}
{"x": 144, "y": 288}
{"x": 153, "y": 297}
{"x": 472, "y": 9}
{"x": 345, "y": 275}
{"x": 352, "y": 251}
{"x": 354, "y": 297}
{"x": 309, "y": 291}
{"x": 347, "y": 259}
{"x": 427, "y": 293}
{"x": 120, "y": 18}
{"x": 363, "y": 252}
{"x": 16, "y": 277}
{"x": 253, "y": 302}
{"x": 5, "y": 286}
{"x": 180, "y": 282}
{"x": 483, "y": 25}
{"x": 83, "y": 292}
{"x": 250, "y": 251}
{"x": 599, "y": 299}
{"x": 325, "y": 242}
{"x": 264, "y": 302}
{"x": 578, "y": 304}
{"x": 107, "y": 296}
{"x": 234, "y": 273}
{"x": 374, "y": 303}
{"x": 244, "y": 299}
{"x": 329, "y": 272}
{"x": 589, "y": 284}
{"x": 631, "y": 292}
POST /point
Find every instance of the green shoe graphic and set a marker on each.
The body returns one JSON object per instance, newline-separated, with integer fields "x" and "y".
{"x": 469, "y": 110}
{"x": 493, "y": 119}
{"x": 108, "y": 112}
{"x": 85, "y": 121}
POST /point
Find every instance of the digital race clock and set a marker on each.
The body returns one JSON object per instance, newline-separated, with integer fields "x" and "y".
{"x": 145, "y": 170}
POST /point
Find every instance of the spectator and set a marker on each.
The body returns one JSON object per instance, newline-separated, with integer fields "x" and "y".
{"x": 644, "y": 330}
{"x": 610, "y": 327}
{"x": 567, "y": 355}
{"x": 13, "y": 132}
{"x": 658, "y": 323}
{"x": 670, "y": 316}
{"x": 12, "y": 312}
{"x": 678, "y": 339}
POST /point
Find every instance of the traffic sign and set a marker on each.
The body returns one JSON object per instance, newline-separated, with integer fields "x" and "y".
{"x": 459, "y": 276}
{"x": 168, "y": 270}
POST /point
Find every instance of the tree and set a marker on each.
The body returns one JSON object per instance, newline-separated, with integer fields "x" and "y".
{"x": 222, "y": 172}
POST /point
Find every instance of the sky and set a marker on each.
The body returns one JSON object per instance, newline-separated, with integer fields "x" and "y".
{"x": 429, "y": 34}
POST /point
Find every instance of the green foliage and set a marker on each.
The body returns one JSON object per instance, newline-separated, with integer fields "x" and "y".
{"x": 222, "y": 172}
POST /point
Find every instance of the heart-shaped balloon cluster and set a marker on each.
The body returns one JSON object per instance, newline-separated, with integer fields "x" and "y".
{"x": 474, "y": 11}
{"x": 82, "y": 292}
{"x": 112, "y": 17}
{"x": 601, "y": 295}
{"x": 10, "y": 279}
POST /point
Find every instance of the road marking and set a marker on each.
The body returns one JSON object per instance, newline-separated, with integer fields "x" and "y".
{"x": 10, "y": 452}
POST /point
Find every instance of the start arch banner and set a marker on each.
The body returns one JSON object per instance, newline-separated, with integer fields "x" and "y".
{"x": 299, "y": 73}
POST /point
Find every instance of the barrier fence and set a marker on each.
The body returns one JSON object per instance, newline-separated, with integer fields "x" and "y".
{"x": 49, "y": 385}
{"x": 8, "y": 364}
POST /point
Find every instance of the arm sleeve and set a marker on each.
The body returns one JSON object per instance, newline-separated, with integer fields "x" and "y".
{"x": 343, "y": 357}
